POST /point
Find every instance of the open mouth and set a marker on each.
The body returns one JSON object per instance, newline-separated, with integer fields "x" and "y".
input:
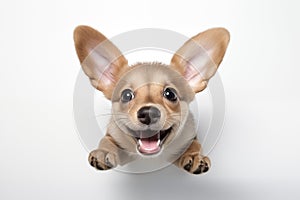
{"x": 152, "y": 145}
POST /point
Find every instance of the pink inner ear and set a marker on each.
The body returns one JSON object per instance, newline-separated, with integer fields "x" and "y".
{"x": 107, "y": 77}
{"x": 99, "y": 67}
{"x": 192, "y": 75}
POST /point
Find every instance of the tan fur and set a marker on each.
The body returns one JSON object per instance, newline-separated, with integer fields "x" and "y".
{"x": 190, "y": 69}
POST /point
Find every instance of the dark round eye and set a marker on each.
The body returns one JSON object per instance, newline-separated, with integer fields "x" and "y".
{"x": 127, "y": 95}
{"x": 170, "y": 94}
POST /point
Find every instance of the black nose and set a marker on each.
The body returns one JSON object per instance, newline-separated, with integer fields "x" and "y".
{"x": 148, "y": 115}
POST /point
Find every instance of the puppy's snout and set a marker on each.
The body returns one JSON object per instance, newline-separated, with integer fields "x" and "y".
{"x": 148, "y": 115}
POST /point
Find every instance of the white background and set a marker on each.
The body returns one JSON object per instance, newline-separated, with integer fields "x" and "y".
{"x": 258, "y": 155}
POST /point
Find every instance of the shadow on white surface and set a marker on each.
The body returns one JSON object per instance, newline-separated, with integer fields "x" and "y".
{"x": 173, "y": 183}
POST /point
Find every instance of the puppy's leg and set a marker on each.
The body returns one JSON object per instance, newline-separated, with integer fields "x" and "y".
{"x": 192, "y": 161}
{"x": 107, "y": 155}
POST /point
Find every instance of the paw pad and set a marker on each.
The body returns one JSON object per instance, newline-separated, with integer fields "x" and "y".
{"x": 196, "y": 164}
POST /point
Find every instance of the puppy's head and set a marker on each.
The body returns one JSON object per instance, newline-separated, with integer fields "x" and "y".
{"x": 150, "y": 100}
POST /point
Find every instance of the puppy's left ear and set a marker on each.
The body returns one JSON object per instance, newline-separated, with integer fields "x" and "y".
{"x": 198, "y": 59}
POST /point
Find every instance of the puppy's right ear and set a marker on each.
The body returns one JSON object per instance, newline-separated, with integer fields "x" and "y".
{"x": 100, "y": 59}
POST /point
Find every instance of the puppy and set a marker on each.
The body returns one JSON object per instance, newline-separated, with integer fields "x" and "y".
{"x": 150, "y": 101}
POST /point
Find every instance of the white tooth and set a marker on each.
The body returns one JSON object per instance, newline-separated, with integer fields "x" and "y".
{"x": 140, "y": 142}
{"x": 158, "y": 142}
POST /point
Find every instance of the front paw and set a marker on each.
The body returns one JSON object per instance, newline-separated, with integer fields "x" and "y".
{"x": 195, "y": 163}
{"x": 102, "y": 160}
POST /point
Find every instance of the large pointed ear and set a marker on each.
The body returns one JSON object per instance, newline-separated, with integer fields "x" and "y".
{"x": 100, "y": 59}
{"x": 198, "y": 59}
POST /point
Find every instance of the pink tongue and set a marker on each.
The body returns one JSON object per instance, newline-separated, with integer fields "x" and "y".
{"x": 149, "y": 145}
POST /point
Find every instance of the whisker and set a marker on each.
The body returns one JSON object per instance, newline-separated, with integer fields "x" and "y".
{"x": 112, "y": 114}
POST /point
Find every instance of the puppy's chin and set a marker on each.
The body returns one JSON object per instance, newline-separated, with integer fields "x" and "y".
{"x": 150, "y": 142}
